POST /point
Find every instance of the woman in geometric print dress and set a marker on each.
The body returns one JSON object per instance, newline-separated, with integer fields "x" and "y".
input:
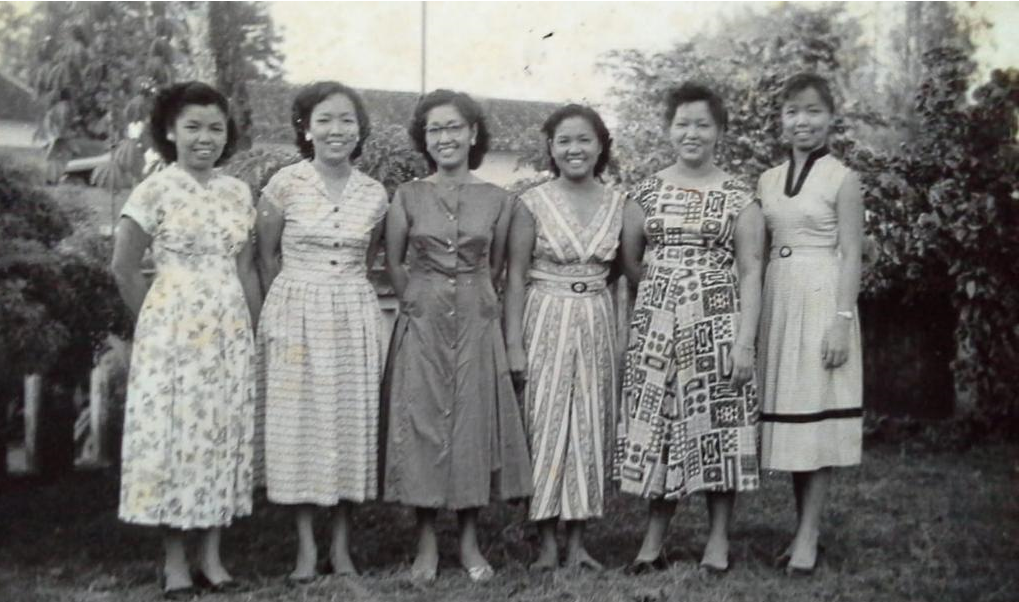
{"x": 811, "y": 374}
{"x": 560, "y": 330}
{"x": 189, "y": 416}
{"x": 689, "y": 400}
{"x": 319, "y": 337}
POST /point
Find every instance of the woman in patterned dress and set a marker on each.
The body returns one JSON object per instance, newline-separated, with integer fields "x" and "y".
{"x": 319, "y": 341}
{"x": 810, "y": 368}
{"x": 189, "y": 418}
{"x": 687, "y": 387}
{"x": 560, "y": 328}
{"x": 455, "y": 436}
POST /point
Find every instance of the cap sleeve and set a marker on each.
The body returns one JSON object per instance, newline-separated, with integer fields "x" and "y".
{"x": 143, "y": 206}
{"x": 381, "y": 203}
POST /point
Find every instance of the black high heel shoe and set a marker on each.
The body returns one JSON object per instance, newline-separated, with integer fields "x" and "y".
{"x": 642, "y": 567}
{"x": 187, "y": 592}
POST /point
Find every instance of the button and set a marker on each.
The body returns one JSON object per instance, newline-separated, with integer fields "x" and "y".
{"x": 332, "y": 262}
{"x": 336, "y": 245}
{"x": 447, "y": 412}
{"x": 579, "y": 287}
{"x": 450, "y": 216}
{"x": 452, "y": 280}
{"x": 452, "y": 345}
{"x": 336, "y": 209}
{"x": 785, "y": 252}
{"x": 452, "y": 312}
{"x": 336, "y": 225}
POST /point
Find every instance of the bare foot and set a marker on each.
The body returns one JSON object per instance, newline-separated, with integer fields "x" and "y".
{"x": 304, "y": 567}
{"x": 341, "y": 563}
{"x": 578, "y": 558}
{"x": 716, "y": 554}
{"x": 176, "y": 577}
{"x": 548, "y": 558}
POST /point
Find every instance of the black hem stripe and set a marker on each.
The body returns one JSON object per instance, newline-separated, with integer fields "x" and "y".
{"x": 793, "y": 190}
{"x": 815, "y": 417}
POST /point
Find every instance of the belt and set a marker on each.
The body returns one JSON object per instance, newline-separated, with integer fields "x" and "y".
{"x": 568, "y": 283}
{"x": 784, "y": 251}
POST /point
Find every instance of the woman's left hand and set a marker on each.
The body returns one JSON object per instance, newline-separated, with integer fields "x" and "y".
{"x": 741, "y": 364}
{"x": 835, "y": 345}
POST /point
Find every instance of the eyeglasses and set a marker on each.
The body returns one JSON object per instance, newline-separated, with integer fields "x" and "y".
{"x": 453, "y": 129}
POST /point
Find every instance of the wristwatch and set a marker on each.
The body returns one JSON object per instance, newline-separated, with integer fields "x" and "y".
{"x": 848, "y": 315}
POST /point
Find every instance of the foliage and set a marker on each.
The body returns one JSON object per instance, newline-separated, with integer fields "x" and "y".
{"x": 245, "y": 48}
{"x": 14, "y": 24}
{"x": 57, "y": 303}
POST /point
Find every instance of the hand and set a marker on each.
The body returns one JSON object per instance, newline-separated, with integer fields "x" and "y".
{"x": 518, "y": 367}
{"x": 741, "y": 365}
{"x": 835, "y": 344}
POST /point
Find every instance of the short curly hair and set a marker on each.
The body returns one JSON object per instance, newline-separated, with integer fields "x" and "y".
{"x": 309, "y": 97}
{"x": 805, "y": 81}
{"x": 468, "y": 108}
{"x": 171, "y": 101}
{"x": 591, "y": 116}
{"x": 695, "y": 92}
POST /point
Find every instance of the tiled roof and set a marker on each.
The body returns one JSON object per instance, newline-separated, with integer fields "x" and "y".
{"x": 510, "y": 122}
{"x": 17, "y": 102}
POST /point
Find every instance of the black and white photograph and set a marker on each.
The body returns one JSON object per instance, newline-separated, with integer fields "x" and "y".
{"x": 618, "y": 301}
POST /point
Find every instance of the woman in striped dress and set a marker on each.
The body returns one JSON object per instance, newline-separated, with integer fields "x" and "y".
{"x": 319, "y": 337}
{"x": 559, "y": 324}
{"x": 810, "y": 364}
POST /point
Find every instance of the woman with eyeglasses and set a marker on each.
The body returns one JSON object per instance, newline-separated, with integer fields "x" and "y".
{"x": 455, "y": 435}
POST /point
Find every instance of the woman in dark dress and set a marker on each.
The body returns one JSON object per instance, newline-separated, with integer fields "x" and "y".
{"x": 455, "y": 433}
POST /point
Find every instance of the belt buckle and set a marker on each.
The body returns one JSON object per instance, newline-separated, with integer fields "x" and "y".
{"x": 785, "y": 251}
{"x": 579, "y": 287}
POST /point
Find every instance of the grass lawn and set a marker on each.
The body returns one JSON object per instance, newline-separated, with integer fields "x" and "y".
{"x": 907, "y": 525}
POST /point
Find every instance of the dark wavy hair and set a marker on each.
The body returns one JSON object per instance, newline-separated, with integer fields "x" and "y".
{"x": 695, "y": 92}
{"x": 309, "y": 97}
{"x": 468, "y": 108}
{"x": 591, "y": 116}
{"x": 171, "y": 101}
{"x": 805, "y": 81}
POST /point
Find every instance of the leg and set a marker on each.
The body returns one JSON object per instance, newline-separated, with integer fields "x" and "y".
{"x": 307, "y": 551}
{"x": 210, "y": 562}
{"x": 660, "y": 512}
{"x": 339, "y": 553}
{"x": 720, "y": 508}
{"x": 576, "y": 555}
{"x": 427, "y": 560}
{"x": 470, "y": 550}
{"x": 548, "y": 558}
{"x": 176, "y": 573}
{"x": 804, "y": 546}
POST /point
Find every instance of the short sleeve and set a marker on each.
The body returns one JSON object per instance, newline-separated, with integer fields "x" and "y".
{"x": 272, "y": 193}
{"x": 381, "y": 206}
{"x": 143, "y": 206}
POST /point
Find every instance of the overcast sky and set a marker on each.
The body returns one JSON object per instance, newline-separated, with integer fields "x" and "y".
{"x": 527, "y": 50}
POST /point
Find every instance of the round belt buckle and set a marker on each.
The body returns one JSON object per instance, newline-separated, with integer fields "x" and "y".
{"x": 579, "y": 287}
{"x": 785, "y": 251}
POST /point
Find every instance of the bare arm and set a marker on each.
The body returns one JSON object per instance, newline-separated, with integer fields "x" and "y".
{"x": 499, "y": 240}
{"x": 632, "y": 242}
{"x": 374, "y": 244}
{"x": 128, "y": 250}
{"x": 247, "y": 272}
{"x": 749, "y": 265}
{"x": 269, "y": 229}
{"x": 397, "y": 229}
{"x": 849, "y": 208}
{"x": 521, "y": 247}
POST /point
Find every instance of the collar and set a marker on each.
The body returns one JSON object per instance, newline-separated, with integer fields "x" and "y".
{"x": 793, "y": 189}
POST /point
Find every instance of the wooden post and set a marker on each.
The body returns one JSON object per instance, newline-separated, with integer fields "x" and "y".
{"x": 33, "y": 411}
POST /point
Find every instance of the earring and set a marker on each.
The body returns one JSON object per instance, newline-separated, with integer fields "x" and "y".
{"x": 307, "y": 136}
{"x": 171, "y": 136}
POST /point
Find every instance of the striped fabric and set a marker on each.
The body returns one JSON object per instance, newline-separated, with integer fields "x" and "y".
{"x": 319, "y": 344}
{"x": 571, "y": 353}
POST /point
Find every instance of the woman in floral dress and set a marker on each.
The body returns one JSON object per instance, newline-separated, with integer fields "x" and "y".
{"x": 189, "y": 418}
{"x": 690, "y": 403}
{"x": 319, "y": 338}
{"x": 560, "y": 328}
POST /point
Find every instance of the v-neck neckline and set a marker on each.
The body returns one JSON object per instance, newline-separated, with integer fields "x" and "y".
{"x": 320, "y": 184}
{"x": 792, "y": 189}
{"x": 570, "y": 213}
